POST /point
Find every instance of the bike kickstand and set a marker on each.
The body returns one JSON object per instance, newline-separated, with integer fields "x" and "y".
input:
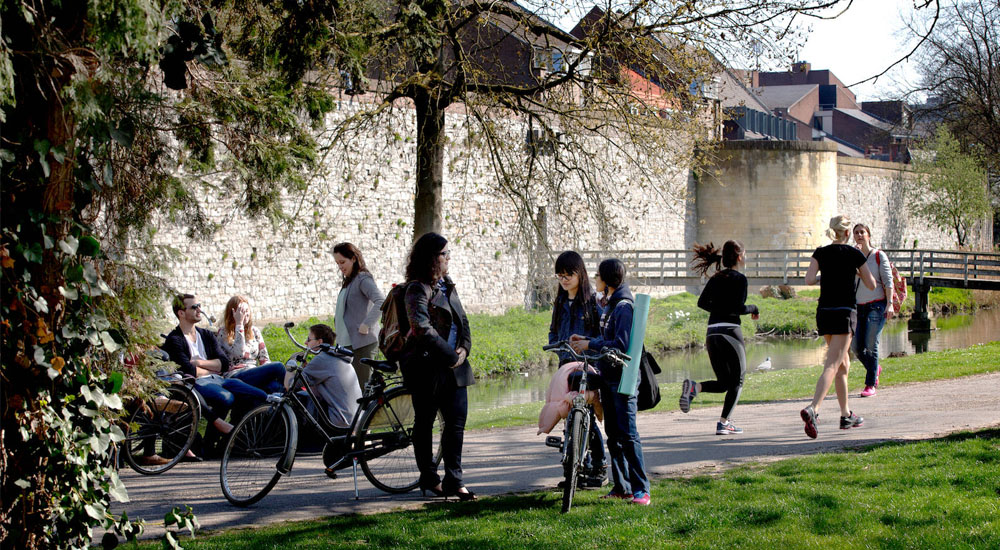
{"x": 354, "y": 465}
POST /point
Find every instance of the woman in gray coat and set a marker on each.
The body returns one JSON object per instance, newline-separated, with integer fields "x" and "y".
{"x": 358, "y": 308}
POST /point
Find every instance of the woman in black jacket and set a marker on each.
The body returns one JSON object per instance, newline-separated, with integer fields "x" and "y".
{"x": 724, "y": 298}
{"x": 435, "y": 364}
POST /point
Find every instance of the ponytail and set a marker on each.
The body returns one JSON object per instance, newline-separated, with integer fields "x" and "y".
{"x": 704, "y": 256}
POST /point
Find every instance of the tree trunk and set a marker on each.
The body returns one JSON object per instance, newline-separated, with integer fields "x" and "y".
{"x": 428, "y": 202}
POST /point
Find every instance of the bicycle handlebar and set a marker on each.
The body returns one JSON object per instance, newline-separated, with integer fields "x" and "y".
{"x": 612, "y": 354}
{"x": 336, "y": 350}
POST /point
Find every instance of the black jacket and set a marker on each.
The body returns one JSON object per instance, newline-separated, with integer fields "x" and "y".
{"x": 177, "y": 348}
{"x": 430, "y": 312}
{"x": 724, "y": 297}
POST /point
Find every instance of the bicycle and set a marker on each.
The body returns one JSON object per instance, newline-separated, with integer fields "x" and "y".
{"x": 262, "y": 446}
{"x": 577, "y": 426}
{"x": 164, "y": 426}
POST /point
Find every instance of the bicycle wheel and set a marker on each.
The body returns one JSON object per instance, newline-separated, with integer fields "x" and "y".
{"x": 385, "y": 435}
{"x": 260, "y": 449}
{"x": 571, "y": 461}
{"x": 160, "y": 431}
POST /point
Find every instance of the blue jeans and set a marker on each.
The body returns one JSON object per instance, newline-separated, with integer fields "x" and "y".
{"x": 269, "y": 378}
{"x": 871, "y": 319}
{"x": 628, "y": 470}
{"x": 218, "y": 399}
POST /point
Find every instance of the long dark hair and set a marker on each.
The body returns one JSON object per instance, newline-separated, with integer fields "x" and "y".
{"x": 706, "y": 255}
{"x": 568, "y": 263}
{"x": 424, "y": 264}
{"x": 612, "y": 272}
{"x": 350, "y": 252}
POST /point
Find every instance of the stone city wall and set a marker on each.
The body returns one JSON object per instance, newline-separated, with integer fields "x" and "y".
{"x": 365, "y": 196}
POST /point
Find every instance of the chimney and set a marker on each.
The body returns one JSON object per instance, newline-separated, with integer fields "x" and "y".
{"x": 800, "y": 67}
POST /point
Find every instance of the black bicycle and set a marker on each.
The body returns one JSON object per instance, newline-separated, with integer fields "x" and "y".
{"x": 576, "y": 430}
{"x": 160, "y": 430}
{"x": 262, "y": 446}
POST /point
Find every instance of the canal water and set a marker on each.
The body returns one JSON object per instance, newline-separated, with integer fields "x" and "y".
{"x": 953, "y": 331}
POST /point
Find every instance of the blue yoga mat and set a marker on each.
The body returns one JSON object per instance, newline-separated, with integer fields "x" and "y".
{"x": 640, "y": 315}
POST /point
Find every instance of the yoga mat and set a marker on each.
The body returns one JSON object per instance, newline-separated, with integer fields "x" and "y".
{"x": 630, "y": 374}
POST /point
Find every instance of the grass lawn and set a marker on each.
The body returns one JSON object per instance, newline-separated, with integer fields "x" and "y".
{"x": 791, "y": 383}
{"x": 512, "y": 342}
{"x": 942, "y": 493}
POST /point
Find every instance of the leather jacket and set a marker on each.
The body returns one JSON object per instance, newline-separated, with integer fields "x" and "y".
{"x": 430, "y": 313}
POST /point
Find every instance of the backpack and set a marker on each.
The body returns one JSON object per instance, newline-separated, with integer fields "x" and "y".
{"x": 898, "y": 283}
{"x": 648, "y": 394}
{"x": 395, "y": 324}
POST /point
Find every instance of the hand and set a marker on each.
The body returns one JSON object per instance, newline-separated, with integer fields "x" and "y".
{"x": 462, "y": 354}
{"x": 579, "y": 343}
{"x": 238, "y": 315}
{"x": 889, "y": 312}
{"x": 755, "y": 316}
{"x": 362, "y": 329}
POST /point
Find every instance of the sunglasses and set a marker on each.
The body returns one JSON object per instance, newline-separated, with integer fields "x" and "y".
{"x": 194, "y": 306}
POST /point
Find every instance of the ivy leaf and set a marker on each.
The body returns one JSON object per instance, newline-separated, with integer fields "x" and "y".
{"x": 42, "y": 147}
{"x": 49, "y": 243}
{"x": 89, "y": 246}
{"x": 74, "y": 273}
{"x": 69, "y": 294}
{"x": 109, "y": 342}
{"x": 69, "y": 245}
{"x": 40, "y": 356}
{"x": 124, "y": 134}
{"x": 116, "y": 379}
{"x": 117, "y": 490}
{"x": 6, "y": 155}
{"x": 95, "y": 511}
{"x": 90, "y": 274}
{"x": 34, "y": 253}
{"x": 23, "y": 483}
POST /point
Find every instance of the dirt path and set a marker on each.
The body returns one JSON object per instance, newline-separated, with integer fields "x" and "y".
{"x": 516, "y": 460}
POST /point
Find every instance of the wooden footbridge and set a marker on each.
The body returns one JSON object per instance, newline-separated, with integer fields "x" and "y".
{"x": 923, "y": 270}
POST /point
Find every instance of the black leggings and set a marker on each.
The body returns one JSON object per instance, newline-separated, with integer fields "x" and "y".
{"x": 728, "y": 357}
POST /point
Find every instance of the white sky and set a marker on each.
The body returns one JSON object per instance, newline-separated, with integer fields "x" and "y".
{"x": 858, "y": 44}
{"x": 862, "y": 43}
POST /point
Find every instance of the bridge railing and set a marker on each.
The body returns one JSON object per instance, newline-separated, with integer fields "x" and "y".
{"x": 951, "y": 264}
{"x": 672, "y": 267}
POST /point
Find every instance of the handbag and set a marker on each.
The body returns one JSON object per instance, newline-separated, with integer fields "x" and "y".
{"x": 648, "y": 391}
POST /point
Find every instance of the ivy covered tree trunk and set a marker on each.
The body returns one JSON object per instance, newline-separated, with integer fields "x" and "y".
{"x": 428, "y": 201}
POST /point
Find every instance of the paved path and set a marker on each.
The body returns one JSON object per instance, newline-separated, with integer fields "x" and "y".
{"x": 516, "y": 460}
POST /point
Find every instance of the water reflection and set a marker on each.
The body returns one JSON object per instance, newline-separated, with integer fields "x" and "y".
{"x": 955, "y": 331}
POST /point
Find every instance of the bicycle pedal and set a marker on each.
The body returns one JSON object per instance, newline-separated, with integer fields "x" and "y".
{"x": 554, "y": 442}
{"x": 332, "y": 474}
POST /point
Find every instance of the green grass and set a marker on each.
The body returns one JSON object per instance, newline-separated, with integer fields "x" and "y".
{"x": 513, "y": 342}
{"x": 791, "y": 383}
{"x": 941, "y": 493}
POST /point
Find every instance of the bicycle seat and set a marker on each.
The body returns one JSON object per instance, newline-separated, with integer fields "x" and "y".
{"x": 381, "y": 366}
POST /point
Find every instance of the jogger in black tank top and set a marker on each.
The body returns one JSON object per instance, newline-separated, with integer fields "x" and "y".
{"x": 724, "y": 297}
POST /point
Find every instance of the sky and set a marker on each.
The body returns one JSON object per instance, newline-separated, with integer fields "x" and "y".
{"x": 862, "y": 43}
{"x": 858, "y": 44}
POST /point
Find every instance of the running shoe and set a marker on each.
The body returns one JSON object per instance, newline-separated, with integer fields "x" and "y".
{"x": 727, "y": 428}
{"x": 688, "y": 392}
{"x": 641, "y": 498}
{"x": 869, "y": 391}
{"x": 809, "y": 416}
{"x": 853, "y": 421}
{"x": 615, "y": 495}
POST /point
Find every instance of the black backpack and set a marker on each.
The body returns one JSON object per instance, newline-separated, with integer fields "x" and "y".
{"x": 395, "y": 324}
{"x": 648, "y": 391}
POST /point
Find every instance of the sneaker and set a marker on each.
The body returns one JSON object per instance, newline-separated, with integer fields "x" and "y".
{"x": 688, "y": 392}
{"x": 853, "y": 421}
{"x": 616, "y": 495}
{"x": 878, "y": 374}
{"x": 809, "y": 416}
{"x": 727, "y": 428}
{"x": 641, "y": 498}
{"x": 869, "y": 391}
